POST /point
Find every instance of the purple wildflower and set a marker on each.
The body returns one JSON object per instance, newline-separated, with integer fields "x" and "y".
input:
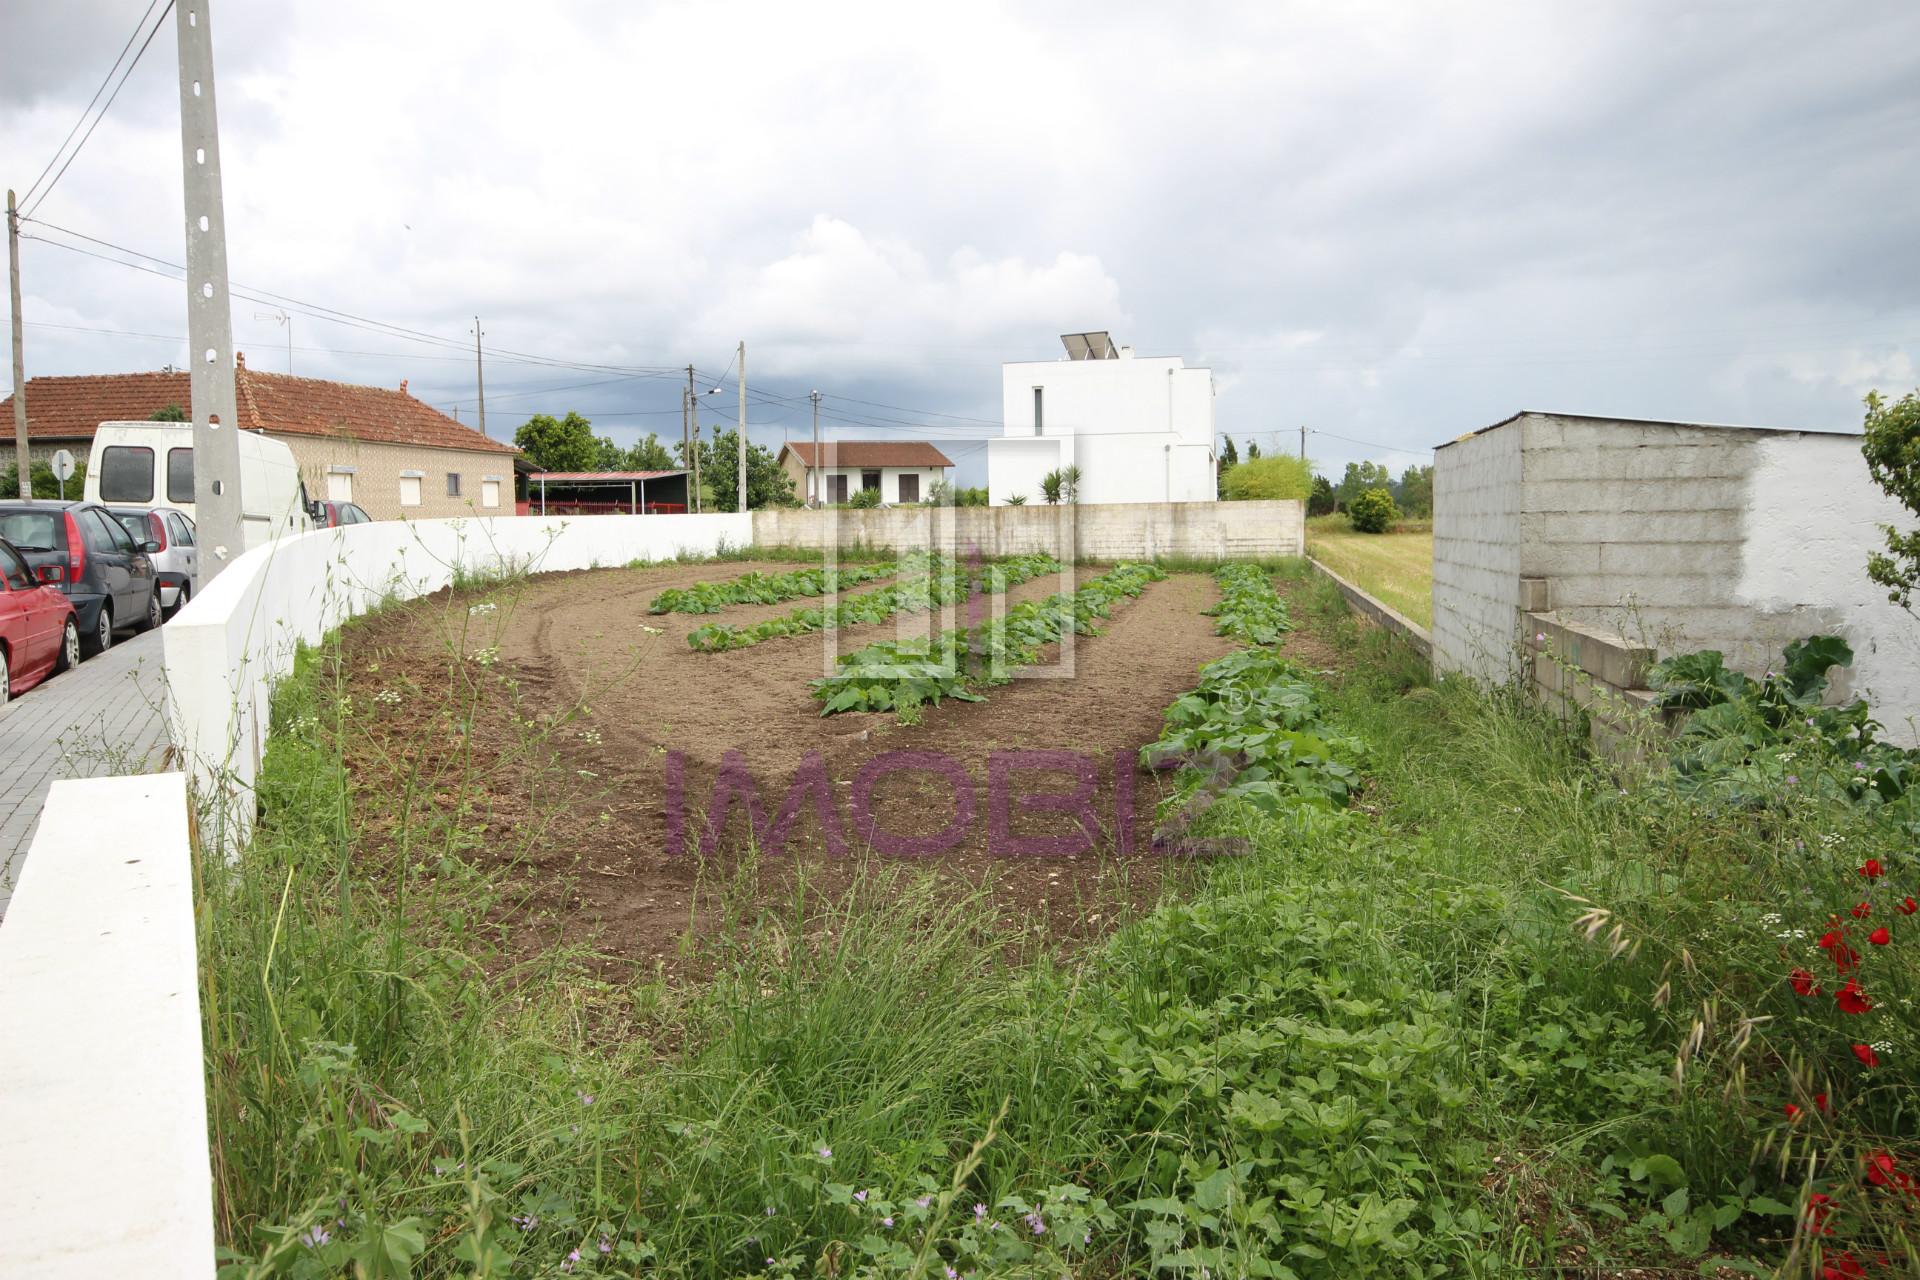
{"x": 979, "y": 1211}
{"x": 606, "y": 1245}
{"x": 1036, "y": 1222}
{"x": 887, "y": 1221}
{"x": 586, "y": 1099}
{"x": 826, "y": 1153}
{"x": 526, "y": 1221}
{"x": 314, "y": 1237}
{"x": 952, "y": 1274}
{"x": 861, "y": 1196}
{"x": 924, "y": 1201}
{"x": 1793, "y": 779}
{"x": 770, "y": 1211}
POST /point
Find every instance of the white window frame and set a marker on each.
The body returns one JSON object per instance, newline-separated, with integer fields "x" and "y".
{"x": 416, "y": 479}
{"x": 490, "y": 491}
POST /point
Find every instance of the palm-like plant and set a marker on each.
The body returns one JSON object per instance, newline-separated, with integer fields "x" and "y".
{"x": 1017, "y": 500}
{"x": 1050, "y": 486}
{"x": 1070, "y": 483}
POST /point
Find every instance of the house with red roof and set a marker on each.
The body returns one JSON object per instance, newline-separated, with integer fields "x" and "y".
{"x": 381, "y": 448}
{"x": 902, "y": 470}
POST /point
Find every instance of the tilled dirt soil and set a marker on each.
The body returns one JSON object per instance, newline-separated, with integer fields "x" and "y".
{"x": 579, "y": 813}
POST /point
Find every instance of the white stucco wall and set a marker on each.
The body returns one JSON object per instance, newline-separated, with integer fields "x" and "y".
{"x": 889, "y": 481}
{"x": 1811, "y": 515}
{"x": 1476, "y": 553}
{"x": 225, "y": 650}
{"x": 1140, "y": 428}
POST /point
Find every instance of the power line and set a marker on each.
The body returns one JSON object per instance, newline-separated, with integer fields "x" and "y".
{"x": 103, "y": 110}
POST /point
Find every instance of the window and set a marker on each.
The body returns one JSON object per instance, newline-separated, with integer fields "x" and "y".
{"x": 453, "y": 484}
{"x": 351, "y": 514}
{"x": 909, "y": 487}
{"x": 33, "y": 530}
{"x": 14, "y": 570}
{"x": 410, "y": 491}
{"x": 837, "y": 488}
{"x": 126, "y": 473}
{"x": 869, "y": 479}
{"x": 1039, "y": 413}
{"x": 180, "y": 475}
{"x": 180, "y": 529}
{"x": 122, "y": 542}
{"x": 135, "y": 524}
{"x": 97, "y": 530}
{"x": 489, "y": 493}
{"x": 339, "y": 486}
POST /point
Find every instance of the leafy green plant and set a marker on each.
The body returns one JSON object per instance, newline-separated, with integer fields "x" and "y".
{"x": 1051, "y": 485}
{"x": 1891, "y": 444}
{"x": 1372, "y": 511}
{"x": 864, "y": 500}
{"x": 1250, "y": 610}
{"x": 766, "y": 588}
{"x": 1277, "y": 475}
{"x": 1017, "y": 500}
{"x": 895, "y": 675}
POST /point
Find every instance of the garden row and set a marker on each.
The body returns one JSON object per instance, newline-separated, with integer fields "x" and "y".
{"x": 766, "y": 588}
{"x": 902, "y": 675}
{"x": 927, "y": 582}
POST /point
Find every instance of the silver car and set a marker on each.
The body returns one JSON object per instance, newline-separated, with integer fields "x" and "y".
{"x": 173, "y": 561}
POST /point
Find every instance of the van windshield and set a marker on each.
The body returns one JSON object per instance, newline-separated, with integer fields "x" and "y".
{"x": 126, "y": 473}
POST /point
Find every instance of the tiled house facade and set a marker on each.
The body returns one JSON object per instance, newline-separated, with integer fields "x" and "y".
{"x": 390, "y": 453}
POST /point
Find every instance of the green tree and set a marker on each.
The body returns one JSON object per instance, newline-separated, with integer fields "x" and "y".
{"x": 768, "y": 484}
{"x": 1892, "y": 450}
{"x": 1360, "y": 477}
{"x": 649, "y": 455}
{"x": 45, "y": 485}
{"x": 1280, "y": 476}
{"x": 1253, "y": 450}
{"x": 1414, "y": 492}
{"x": 172, "y": 413}
{"x": 1372, "y": 511}
{"x": 1229, "y": 458}
{"x": 1321, "y": 501}
{"x": 560, "y": 444}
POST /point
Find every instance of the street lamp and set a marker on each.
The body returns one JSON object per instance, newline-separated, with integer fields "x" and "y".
{"x": 280, "y": 317}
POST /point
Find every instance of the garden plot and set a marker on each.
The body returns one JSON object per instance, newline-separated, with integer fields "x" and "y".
{"x": 604, "y": 740}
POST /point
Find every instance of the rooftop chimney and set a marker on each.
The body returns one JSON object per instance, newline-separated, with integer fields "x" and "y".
{"x": 403, "y": 386}
{"x": 240, "y": 359}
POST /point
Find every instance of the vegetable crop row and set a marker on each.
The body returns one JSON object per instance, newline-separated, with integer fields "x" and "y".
{"x": 765, "y": 588}
{"x": 898, "y": 675}
{"x": 1249, "y": 609}
{"x": 926, "y": 583}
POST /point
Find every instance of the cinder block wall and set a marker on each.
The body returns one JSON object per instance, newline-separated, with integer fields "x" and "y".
{"x": 1476, "y": 554}
{"x": 1111, "y": 531}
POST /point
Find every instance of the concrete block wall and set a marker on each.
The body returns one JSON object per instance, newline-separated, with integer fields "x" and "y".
{"x": 1114, "y": 531}
{"x": 1574, "y": 670}
{"x": 1476, "y": 555}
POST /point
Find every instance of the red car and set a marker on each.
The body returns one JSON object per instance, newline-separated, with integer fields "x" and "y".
{"x": 39, "y": 634}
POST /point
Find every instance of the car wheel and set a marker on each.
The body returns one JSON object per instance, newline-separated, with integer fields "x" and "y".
{"x": 69, "y": 646}
{"x": 102, "y": 639}
{"x": 6, "y": 678}
{"x": 152, "y": 619}
{"x": 180, "y": 598}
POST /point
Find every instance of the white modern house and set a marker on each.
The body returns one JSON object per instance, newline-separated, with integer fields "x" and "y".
{"x": 904, "y": 471}
{"x": 1140, "y": 428}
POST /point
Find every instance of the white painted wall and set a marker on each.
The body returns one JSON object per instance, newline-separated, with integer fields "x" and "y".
{"x": 1812, "y": 514}
{"x": 1140, "y": 428}
{"x": 226, "y": 649}
{"x": 104, "y": 1168}
{"x": 889, "y": 481}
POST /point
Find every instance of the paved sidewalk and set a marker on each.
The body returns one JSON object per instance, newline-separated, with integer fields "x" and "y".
{"x": 103, "y": 717}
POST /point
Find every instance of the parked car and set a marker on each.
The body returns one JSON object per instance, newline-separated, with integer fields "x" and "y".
{"x": 328, "y": 514}
{"x": 81, "y": 549}
{"x": 38, "y": 633}
{"x": 173, "y": 560}
{"x": 150, "y": 464}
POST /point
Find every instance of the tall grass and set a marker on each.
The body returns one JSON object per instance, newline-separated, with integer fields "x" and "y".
{"x": 1373, "y": 1046}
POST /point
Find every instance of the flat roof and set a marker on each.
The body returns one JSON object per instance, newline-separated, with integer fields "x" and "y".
{"x": 1643, "y": 422}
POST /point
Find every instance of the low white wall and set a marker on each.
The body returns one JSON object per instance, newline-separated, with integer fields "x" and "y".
{"x": 226, "y": 649}
{"x": 1082, "y": 531}
{"x": 103, "y": 1116}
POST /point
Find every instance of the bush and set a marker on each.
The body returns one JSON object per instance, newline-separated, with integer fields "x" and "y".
{"x": 864, "y": 499}
{"x": 1372, "y": 511}
{"x": 1274, "y": 476}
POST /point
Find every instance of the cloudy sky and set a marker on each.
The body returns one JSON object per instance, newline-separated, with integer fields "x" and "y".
{"x": 1390, "y": 222}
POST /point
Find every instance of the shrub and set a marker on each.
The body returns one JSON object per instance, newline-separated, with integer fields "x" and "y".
{"x": 1274, "y": 476}
{"x": 1372, "y": 511}
{"x": 865, "y": 499}
{"x": 1017, "y": 500}
{"x": 1051, "y": 485}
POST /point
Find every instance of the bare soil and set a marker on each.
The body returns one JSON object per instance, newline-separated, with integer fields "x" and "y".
{"x": 584, "y": 709}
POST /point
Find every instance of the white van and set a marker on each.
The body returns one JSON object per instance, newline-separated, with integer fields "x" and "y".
{"x": 150, "y": 464}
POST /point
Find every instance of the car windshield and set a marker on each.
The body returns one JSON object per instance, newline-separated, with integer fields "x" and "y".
{"x": 29, "y": 530}
{"x": 134, "y": 522}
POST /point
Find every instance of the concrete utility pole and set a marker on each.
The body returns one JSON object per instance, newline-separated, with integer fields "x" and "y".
{"x": 480, "y": 374}
{"x": 1303, "y": 442}
{"x": 814, "y": 471}
{"x": 216, "y": 420}
{"x": 693, "y": 438}
{"x": 21, "y": 455}
{"x": 743, "y": 424}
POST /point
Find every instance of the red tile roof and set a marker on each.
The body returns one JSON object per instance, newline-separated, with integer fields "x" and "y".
{"x": 864, "y": 453}
{"x": 69, "y": 408}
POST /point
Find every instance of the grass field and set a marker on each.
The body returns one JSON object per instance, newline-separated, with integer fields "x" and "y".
{"x": 1396, "y": 567}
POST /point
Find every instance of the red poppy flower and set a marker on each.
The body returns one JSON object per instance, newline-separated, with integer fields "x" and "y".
{"x": 1851, "y": 998}
{"x": 1820, "y": 1103}
{"x": 1865, "y": 1053}
{"x": 1793, "y": 1112}
{"x": 1871, "y": 869}
{"x": 1834, "y": 943}
{"x": 1908, "y": 907}
{"x": 1861, "y": 911}
{"x": 1819, "y": 1206}
{"x": 1841, "y": 1266}
{"x": 1880, "y": 937}
{"x": 1880, "y": 1168}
